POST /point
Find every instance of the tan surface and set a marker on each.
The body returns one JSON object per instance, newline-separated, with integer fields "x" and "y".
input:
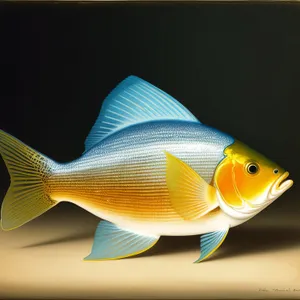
{"x": 44, "y": 259}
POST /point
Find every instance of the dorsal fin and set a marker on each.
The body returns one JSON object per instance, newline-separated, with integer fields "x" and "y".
{"x": 134, "y": 101}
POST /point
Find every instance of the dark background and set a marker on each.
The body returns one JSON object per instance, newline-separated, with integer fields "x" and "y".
{"x": 235, "y": 66}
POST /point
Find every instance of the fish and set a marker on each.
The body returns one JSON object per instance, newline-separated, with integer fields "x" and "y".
{"x": 150, "y": 168}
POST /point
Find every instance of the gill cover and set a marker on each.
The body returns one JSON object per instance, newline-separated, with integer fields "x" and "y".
{"x": 225, "y": 183}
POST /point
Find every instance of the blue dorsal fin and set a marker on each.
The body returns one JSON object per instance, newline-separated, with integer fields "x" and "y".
{"x": 134, "y": 101}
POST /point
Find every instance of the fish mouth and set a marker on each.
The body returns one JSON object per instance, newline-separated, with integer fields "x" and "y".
{"x": 281, "y": 185}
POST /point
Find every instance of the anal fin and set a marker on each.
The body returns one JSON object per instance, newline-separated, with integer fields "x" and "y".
{"x": 113, "y": 242}
{"x": 210, "y": 242}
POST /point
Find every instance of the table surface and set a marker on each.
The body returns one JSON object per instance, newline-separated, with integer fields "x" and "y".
{"x": 43, "y": 259}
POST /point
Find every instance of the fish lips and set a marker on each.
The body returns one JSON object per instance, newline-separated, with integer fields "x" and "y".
{"x": 281, "y": 185}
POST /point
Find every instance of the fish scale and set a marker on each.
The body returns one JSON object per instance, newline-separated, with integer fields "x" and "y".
{"x": 139, "y": 174}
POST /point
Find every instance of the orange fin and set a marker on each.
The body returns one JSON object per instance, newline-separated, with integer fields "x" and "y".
{"x": 190, "y": 195}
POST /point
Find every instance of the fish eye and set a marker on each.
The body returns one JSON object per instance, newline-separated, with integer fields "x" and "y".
{"x": 275, "y": 171}
{"x": 252, "y": 168}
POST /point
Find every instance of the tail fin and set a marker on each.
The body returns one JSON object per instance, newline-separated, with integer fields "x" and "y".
{"x": 28, "y": 194}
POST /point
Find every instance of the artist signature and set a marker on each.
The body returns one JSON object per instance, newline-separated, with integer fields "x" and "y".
{"x": 287, "y": 290}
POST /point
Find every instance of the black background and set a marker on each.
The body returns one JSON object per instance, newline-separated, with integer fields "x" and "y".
{"x": 235, "y": 66}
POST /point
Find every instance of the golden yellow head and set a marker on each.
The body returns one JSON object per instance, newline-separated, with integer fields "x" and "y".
{"x": 247, "y": 181}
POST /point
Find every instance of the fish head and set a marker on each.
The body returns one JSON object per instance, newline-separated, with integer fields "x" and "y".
{"x": 247, "y": 181}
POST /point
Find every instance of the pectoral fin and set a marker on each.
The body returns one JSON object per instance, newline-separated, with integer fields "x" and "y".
{"x": 112, "y": 242}
{"x": 190, "y": 195}
{"x": 210, "y": 242}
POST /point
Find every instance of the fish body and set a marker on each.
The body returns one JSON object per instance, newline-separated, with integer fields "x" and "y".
{"x": 124, "y": 176}
{"x": 150, "y": 168}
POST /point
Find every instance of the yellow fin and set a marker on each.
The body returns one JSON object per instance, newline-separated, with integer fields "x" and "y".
{"x": 27, "y": 197}
{"x": 190, "y": 195}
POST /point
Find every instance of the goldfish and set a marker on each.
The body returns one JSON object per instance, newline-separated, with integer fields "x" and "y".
{"x": 150, "y": 168}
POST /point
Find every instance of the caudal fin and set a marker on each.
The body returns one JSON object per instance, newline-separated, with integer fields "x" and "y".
{"x": 28, "y": 194}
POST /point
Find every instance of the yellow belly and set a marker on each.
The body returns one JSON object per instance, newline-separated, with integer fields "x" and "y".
{"x": 136, "y": 198}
